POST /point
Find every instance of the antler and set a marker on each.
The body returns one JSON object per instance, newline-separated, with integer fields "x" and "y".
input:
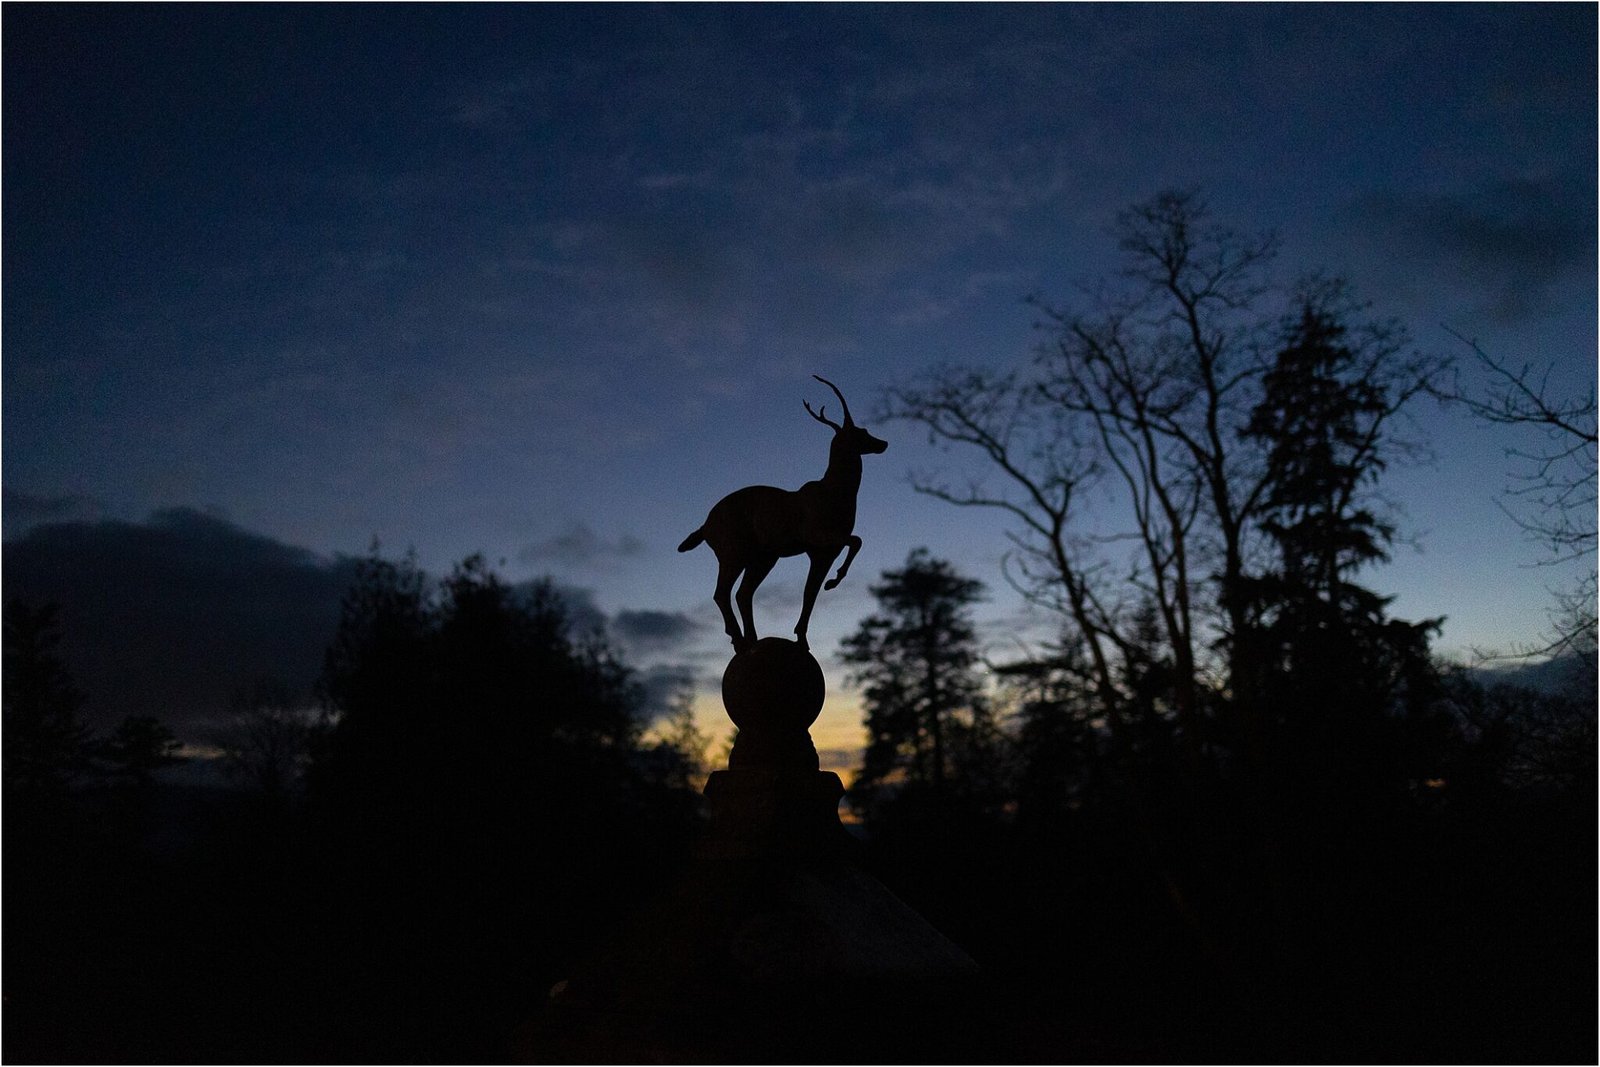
{"x": 823, "y": 417}
{"x": 848, "y": 421}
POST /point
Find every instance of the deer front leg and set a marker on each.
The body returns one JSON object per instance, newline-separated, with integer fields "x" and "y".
{"x": 726, "y": 573}
{"x": 819, "y": 567}
{"x": 854, "y": 545}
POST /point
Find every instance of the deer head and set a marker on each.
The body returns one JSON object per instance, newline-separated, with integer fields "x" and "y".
{"x": 849, "y": 436}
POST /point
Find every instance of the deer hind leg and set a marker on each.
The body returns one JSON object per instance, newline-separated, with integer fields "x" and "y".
{"x": 853, "y": 543}
{"x": 819, "y": 568}
{"x": 726, "y": 573}
{"x": 753, "y": 576}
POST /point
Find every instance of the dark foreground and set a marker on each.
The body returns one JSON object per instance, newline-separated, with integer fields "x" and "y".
{"x": 197, "y": 926}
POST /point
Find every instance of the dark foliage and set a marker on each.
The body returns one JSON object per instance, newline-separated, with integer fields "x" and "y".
{"x": 931, "y": 739}
{"x": 481, "y": 795}
{"x": 1408, "y": 880}
{"x": 44, "y": 737}
{"x": 478, "y": 808}
{"x": 1250, "y": 815}
{"x": 140, "y": 746}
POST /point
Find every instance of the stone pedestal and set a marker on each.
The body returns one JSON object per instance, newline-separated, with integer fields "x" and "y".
{"x": 773, "y": 800}
{"x": 773, "y": 946}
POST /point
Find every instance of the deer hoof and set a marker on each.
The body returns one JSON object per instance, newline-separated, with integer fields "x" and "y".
{"x": 831, "y": 583}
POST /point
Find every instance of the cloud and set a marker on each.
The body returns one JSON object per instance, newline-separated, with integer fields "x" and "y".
{"x": 660, "y": 684}
{"x": 842, "y": 761}
{"x": 922, "y": 307}
{"x": 24, "y": 510}
{"x": 697, "y": 180}
{"x": 1515, "y": 240}
{"x": 654, "y": 628}
{"x": 171, "y": 616}
{"x": 579, "y": 546}
{"x": 861, "y": 173}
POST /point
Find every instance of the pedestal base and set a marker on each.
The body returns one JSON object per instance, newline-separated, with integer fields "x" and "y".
{"x": 760, "y": 811}
{"x": 770, "y": 944}
{"x": 772, "y": 947}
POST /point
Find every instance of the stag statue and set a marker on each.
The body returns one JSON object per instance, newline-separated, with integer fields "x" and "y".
{"x": 752, "y": 528}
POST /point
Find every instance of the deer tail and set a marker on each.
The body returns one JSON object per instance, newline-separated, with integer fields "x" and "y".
{"x": 693, "y": 540}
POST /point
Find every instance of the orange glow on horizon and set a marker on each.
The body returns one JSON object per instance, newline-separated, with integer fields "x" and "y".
{"x": 838, "y": 730}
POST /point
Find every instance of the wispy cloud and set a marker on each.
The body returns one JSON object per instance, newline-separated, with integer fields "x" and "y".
{"x": 923, "y": 306}
{"x": 1516, "y": 239}
{"x": 654, "y": 629}
{"x": 580, "y": 546}
{"x": 668, "y": 180}
{"x": 844, "y": 762}
{"x": 661, "y": 684}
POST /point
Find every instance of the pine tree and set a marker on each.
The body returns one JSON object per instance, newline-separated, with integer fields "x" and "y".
{"x": 1321, "y": 417}
{"x": 137, "y": 748}
{"x": 45, "y": 741}
{"x": 916, "y": 658}
{"x": 1338, "y": 676}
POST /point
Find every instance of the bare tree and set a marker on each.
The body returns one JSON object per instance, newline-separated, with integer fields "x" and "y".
{"x": 267, "y": 742}
{"x": 1043, "y": 465}
{"x": 1552, "y": 495}
{"x": 1145, "y": 387}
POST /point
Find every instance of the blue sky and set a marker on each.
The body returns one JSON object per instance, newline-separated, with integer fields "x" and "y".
{"x": 547, "y": 281}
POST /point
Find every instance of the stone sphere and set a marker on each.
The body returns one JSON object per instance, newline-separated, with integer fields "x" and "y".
{"x": 775, "y": 686}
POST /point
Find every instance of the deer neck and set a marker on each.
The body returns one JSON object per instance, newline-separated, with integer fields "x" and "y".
{"x": 843, "y": 475}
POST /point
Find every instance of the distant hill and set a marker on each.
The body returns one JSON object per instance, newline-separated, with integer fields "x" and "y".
{"x": 1571, "y": 673}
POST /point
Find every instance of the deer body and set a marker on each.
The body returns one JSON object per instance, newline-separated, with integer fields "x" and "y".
{"x": 752, "y": 528}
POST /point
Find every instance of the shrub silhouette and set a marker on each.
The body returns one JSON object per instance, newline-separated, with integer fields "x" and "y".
{"x": 484, "y": 799}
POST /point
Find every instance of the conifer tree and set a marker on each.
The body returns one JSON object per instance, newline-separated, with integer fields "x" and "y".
{"x": 1340, "y": 680}
{"x": 916, "y": 659}
{"x": 45, "y": 740}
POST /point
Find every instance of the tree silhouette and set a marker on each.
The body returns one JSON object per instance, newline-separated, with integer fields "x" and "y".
{"x": 1519, "y": 739}
{"x": 916, "y": 659}
{"x": 1320, "y": 417}
{"x": 137, "y": 748}
{"x": 1149, "y": 389}
{"x": 45, "y": 741}
{"x": 268, "y": 741}
{"x": 483, "y": 792}
{"x": 1326, "y": 652}
{"x": 1552, "y": 494}
{"x": 1060, "y": 733}
{"x": 683, "y": 744}
{"x": 1145, "y": 387}
{"x": 468, "y": 708}
{"x": 1559, "y": 480}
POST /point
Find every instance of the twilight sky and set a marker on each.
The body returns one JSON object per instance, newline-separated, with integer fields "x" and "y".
{"x": 547, "y": 281}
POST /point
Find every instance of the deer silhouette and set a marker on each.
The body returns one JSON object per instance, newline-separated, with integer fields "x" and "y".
{"x": 752, "y": 528}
